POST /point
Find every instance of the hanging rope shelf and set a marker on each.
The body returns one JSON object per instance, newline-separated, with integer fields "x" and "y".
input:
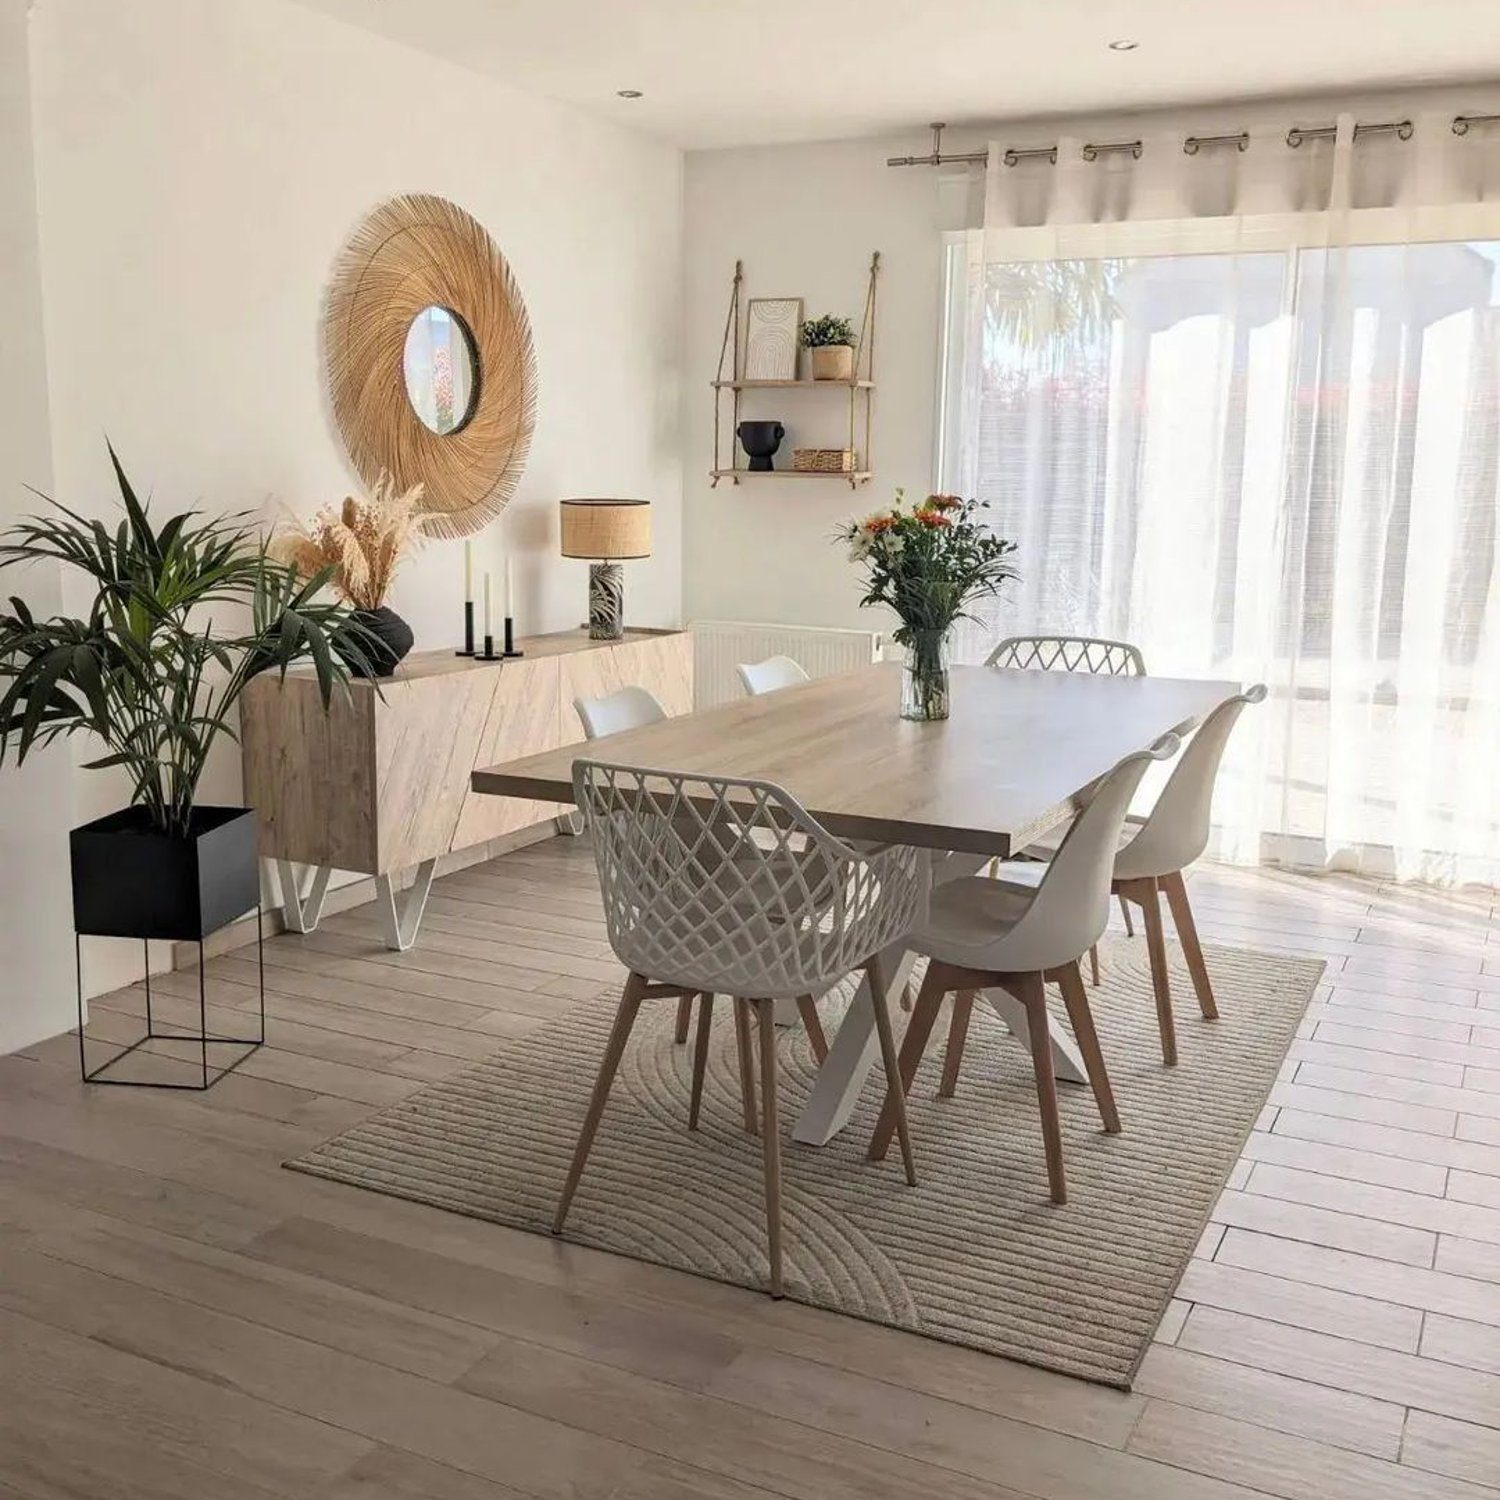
{"x": 730, "y": 383}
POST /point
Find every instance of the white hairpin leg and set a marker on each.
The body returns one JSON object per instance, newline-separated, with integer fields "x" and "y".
{"x": 301, "y": 913}
{"x": 399, "y": 920}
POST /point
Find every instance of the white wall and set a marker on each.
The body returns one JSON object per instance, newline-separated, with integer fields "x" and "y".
{"x": 804, "y": 220}
{"x": 36, "y": 934}
{"x": 199, "y": 164}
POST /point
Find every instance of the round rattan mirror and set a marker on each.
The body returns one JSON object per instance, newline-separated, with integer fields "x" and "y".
{"x": 419, "y": 286}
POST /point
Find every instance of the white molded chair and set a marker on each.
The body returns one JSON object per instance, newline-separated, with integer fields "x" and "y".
{"x": 982, "y": 934}
{"x": 1069, "y": 653}
{"x": 714, "y": 885}
{"x": 769, "y": 675}
{"x": 1154, "y": 851}
{"x": 629, "y": 708}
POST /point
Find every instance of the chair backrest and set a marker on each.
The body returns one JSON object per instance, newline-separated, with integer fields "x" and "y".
{"x": 768, "y": 675}
{"x": 1069, "y": 653}
{"x": 1176, "y": 831}
{"x": 629, "y": 708}
{"x": 1071, "y": 907}
{"x": 731, "y": 886}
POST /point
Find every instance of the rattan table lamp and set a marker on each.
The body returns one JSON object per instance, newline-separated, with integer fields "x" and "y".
{"x": 606, "y": 532}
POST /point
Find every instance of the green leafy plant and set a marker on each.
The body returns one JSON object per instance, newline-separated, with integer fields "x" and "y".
{"x": 930, "y": 563}
{"x": 147, "y": 671}
{"x": 829, "y": 329}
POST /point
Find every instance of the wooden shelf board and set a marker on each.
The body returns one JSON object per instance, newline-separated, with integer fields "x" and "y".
{"x": 792, "y": 385}
{"x": 848, "y": 476}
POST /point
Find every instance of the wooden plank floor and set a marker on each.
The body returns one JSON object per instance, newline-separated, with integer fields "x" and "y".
{"x": 181, "y": 1317}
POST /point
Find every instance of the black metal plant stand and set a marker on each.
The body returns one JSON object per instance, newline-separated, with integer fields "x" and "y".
{"x": 100, "y": 1074}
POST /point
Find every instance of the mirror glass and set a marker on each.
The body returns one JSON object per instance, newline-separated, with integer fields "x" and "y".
{"x": 440, "y": 369}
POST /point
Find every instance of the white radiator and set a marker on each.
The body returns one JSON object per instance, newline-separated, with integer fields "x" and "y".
{"x": 720, "y": 645}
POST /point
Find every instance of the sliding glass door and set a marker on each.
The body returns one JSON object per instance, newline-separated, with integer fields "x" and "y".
{"x": 1275, "y": 464}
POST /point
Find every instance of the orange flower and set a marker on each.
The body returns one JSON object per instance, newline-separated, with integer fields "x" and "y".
{"x": 877, "y": 524}
{"x": 932, "y": 518}
{"x": 943, "y": 502}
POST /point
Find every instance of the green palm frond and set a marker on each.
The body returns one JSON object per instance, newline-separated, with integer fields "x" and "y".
{"x": 148, "y": 673}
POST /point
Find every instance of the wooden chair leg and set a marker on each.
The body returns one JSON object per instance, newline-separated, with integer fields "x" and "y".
{"x": 747, "y": 1066}
{"x": 1125, "y": 912}
{"x": 684, "y": 1016}
{"x": 1192, "y": 949}
{"x": 630, "y": 1004}
{"x": 958, "y": 1034}
{"x": 913, "y": 1044}
{"x": 1161, "y": 983}
{"x": 895, "y": 1090}
{"x": 807, "y": 1008}
{"x": 1094, "y": 964}
{"x": 771, "y": 1137}
{"x": 1076, "y": 998}
{"x": 700, "y": 1056}
{"x": 1032, "y": 991}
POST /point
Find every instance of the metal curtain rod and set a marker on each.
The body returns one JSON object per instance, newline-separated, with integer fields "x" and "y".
{"x": 1191, "y": 145}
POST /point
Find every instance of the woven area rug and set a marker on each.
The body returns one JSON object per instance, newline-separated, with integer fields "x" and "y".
{"x": 976, "y": 1254}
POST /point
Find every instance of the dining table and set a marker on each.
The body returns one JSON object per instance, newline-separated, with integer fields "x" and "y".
{"x": 1014, "y": 761}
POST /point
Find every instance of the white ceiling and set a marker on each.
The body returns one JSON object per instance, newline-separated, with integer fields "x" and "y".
{"x": 736, "y": 72}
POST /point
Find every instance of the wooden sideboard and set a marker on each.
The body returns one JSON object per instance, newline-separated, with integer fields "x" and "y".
{"x": 379, "y": 784}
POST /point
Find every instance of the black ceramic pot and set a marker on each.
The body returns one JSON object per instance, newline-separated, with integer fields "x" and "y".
{"x": 132, "y": 880}
{"x": 393, "y": 639}
{"x": 760, "y": 440}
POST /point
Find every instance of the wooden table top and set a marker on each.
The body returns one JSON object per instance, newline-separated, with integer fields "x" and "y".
{"x": 1006, "y": 767}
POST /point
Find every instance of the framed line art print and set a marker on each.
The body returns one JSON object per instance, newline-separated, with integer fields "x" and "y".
{"x": 772, "y": 327}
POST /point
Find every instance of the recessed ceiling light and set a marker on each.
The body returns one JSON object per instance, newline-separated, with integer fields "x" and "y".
{"x": 1123, "y": 45}
{"x": 630, "y": 93}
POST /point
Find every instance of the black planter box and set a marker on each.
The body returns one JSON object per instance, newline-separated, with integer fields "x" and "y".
{"x": 131, "y": 880}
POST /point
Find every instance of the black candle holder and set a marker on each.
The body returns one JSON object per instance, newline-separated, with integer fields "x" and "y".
{"x": 468, "y": 649}
{"x": 510, "y": 639}
{"x": 489, "y": 653}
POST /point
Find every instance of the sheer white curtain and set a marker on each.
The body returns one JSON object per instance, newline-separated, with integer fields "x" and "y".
{"x": 1243, "y": 409}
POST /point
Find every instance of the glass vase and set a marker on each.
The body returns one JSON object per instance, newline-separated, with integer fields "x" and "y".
{"x": 924, "y": 682}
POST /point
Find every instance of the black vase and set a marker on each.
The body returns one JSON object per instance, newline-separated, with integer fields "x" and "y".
{"x": 392, "y": 640}
{"x": 132, "y": 880}
{"x": 760, "y": 440}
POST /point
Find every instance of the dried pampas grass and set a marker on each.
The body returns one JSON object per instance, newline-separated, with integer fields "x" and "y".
{"x": 360, "y": 543}
{"x": 410, "y": 253}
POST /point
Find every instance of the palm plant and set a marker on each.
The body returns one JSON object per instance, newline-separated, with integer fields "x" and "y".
{"x": 1054, "y": 311}
{"x": 148, "y": 671}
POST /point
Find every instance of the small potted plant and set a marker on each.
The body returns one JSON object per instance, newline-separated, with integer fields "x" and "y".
{"x": 183, "y": 616}
{"x": 357, "y": 548}
{"x": 928, "y": 564}
{"x": 829, "y": 342}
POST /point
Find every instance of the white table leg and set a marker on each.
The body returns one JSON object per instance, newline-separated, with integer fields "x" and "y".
{"x": 1067, "y": 1061}
{"x": 851, "y": 1055}
{"x": 299, "y": 912}
{"x": 399, "y": 920}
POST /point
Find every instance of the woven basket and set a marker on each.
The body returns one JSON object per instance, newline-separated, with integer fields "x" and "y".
{"x": 823, "y": 460}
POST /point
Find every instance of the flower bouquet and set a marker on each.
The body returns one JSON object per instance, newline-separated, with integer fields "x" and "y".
{"x": 928, "y": 564}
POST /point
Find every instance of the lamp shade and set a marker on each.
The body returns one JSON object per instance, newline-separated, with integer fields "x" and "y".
{"x": 606, "y": 529}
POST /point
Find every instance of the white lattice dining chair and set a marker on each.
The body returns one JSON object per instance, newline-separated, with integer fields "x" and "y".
{"x": 770, "y": 675}
{"x": 1069, "y": 653}
{"x": 982, "y": 934}
{"x": 718, "y": 886}
{"x": 1073, "y": 653}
